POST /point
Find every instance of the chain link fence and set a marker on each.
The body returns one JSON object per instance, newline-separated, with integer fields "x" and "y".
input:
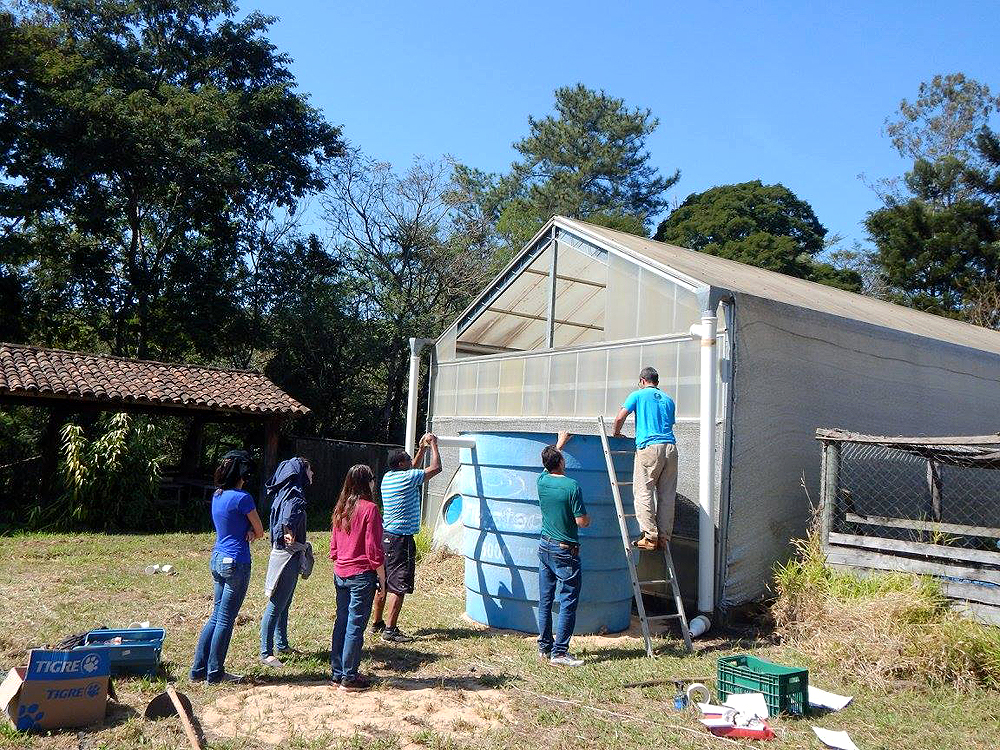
{"x": 920, "y": 505}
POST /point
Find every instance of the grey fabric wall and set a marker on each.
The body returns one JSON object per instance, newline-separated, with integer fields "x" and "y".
{"x": 798, "y": 370}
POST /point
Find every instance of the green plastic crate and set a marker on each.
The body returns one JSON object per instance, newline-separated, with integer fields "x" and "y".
{"x": 786, "y": 689}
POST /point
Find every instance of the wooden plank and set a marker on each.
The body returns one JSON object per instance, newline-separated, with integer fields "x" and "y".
{"x": 557, "y": 321}
{"x": 879, "y": 561}
{"x": 970, "y": 592}
{"x": 856, "y": 437}
{"x": 916, "y": 548}
{"x": 982, "y": 612}
{"x": 906, "y": 523}
{"x": 561, "y": 277}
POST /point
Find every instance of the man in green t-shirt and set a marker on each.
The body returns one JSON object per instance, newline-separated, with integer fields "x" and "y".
{"x": 563, "y": 511}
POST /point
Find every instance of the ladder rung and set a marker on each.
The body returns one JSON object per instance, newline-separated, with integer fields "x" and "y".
{"x": 628, "y": 515}
{"x": 618, "y": 482}
{"x": 659, "y": 580}
{"x": 663, "y": 617}
{"x": 621, "y": 453}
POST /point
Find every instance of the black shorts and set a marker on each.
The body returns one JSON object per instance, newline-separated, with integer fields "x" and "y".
{"x": 400, "y": 562}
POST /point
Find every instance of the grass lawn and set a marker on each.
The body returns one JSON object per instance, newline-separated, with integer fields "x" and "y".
{"x": 456, "y": 687}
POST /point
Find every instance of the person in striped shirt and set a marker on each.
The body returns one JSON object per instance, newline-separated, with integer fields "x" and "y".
{"x": 401, "y": 487}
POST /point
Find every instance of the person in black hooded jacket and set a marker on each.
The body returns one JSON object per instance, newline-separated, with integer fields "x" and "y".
{"x": 288, "y": 543}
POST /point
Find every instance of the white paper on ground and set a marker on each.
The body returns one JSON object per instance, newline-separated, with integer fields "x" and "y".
{"x": 825, "y": 699}
{"x": 715, "y": 723}
{"x": 748, "y": 704}
{"x": 708, "y": 708}
{"x": 838, "y": 740}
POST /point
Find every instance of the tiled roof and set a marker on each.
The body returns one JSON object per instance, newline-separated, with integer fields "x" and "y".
{"x": 33, "y": 371}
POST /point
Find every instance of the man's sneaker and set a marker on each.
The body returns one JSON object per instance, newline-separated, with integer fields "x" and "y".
{"x": 646, "y": 542}
{"x": 271, "y": 661}
{"x": 378, "y": 626}
{"x": 227, "y": 678}
{"x": 395, "y": 635}
{"x": 565, "y": 660}
{"x": 286, "y": 652}
{"x": 355, "y": 685}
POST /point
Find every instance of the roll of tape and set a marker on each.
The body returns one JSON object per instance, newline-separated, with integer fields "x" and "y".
{"x": 698, "y": 693}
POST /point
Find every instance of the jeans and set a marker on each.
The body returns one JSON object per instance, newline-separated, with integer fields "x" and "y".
{"x": 355, "y": 595}
{"x": 231, "y": 581}
{"x": 274, "y": 623}
{"x": 556, "y": 564}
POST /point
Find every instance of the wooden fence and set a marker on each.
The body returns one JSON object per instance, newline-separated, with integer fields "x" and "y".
{"x": 923, "y": 505}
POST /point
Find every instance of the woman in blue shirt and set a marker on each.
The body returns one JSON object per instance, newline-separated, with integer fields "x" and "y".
{"x": 234, "y": 514}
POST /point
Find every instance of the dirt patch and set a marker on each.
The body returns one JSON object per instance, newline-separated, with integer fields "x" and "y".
{"x": 276, "y": 714}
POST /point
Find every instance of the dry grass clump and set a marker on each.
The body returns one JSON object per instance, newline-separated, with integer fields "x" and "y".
{"x": 881, "y": 628}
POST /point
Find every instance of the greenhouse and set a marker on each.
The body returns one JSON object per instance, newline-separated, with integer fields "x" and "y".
{"x": 756, "y": 362}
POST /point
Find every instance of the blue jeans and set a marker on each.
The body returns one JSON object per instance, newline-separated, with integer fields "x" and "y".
{"x": 556, "y": 564}
{"x": 355, "y": 595}
{"x": 231, "y": 581}
{"x": 274, "y": 623}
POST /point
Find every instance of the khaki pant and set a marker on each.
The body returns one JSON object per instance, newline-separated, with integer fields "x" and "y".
{"x": 655, "y": 470}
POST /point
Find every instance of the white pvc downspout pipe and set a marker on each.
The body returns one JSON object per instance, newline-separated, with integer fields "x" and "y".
{"x": 706, "y": 331}
{"x": 413, "y": 394}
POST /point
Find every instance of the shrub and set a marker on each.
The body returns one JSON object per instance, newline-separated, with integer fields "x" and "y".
{"x": 880, "y": 627}
{"x": 111, "y": 481}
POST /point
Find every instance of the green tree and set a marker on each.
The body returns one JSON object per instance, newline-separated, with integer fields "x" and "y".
{"x": 937, "y": 236}
{"x": 763, "y": 225}
{"x": 137, "y": 139}
{"x": 588, "y": 161}
{"x": 415, "y": 255}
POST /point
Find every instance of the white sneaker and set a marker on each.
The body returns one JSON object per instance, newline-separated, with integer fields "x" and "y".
{"x": 565, "y": 660}
{"x": 272, "y": 661}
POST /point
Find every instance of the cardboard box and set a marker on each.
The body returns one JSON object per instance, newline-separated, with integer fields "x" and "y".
{"x": 57, "y": 689}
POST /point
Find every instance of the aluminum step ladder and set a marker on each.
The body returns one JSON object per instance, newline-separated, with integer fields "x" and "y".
{"x": 668, "y": 561}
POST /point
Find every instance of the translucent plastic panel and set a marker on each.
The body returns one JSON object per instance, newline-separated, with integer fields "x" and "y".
{"x": 657, "y": 300}
{"x": 487, "y": 387}
{"x": 445, "y": 350}
{"x": 536, "y": 385}
{"x": 465, "y": 389}
{"x": 516, "y": 320}
{"x": 688, "y": 378}
{"x": 562, "y": 385}
{"x": 511, "y": 387}
{"x": 591, "y": 383}
{"x": 622, "y": 297}
{"x": 687, "y": 312}
{"x": 663, "y": 358}
{"x": 444, "y": 392}
{"x": 623, "y": 375}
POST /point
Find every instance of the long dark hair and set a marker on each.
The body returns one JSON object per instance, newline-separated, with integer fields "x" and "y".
{"x": 357, "y": 485}
{"x": 234, "y": 467}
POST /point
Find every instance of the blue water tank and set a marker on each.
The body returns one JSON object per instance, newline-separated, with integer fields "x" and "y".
{"x": 502, "y": 523}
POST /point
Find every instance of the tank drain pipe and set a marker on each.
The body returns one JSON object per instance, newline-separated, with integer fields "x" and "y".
{"x": 706, "y": 331}
{"x": 460, "y": 441}
{"x": 412, "y": 396}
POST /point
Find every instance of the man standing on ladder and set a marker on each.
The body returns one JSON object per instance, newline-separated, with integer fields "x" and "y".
{"x": 561, "y": 503}
{"x": 654, "y": 473}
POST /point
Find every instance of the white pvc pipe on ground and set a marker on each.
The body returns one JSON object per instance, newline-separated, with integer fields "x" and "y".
{"x": 706, "y": 463}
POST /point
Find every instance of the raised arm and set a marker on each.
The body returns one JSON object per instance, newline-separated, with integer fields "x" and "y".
{"x": 435, "y": 465}
{"x": 256, "y": 527}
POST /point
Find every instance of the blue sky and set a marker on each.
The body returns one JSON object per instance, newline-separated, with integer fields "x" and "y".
{"x": 789, "y": 92}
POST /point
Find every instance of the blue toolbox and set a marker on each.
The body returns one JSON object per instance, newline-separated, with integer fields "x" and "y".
{"x": 132, "y": 651}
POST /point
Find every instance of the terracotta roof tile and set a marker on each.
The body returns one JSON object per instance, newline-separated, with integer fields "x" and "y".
{"x": 31, "y": 370}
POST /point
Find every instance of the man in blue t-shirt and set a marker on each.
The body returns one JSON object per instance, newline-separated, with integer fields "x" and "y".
{"x": 654, "y": 474}
{"x": 401, "y": 487}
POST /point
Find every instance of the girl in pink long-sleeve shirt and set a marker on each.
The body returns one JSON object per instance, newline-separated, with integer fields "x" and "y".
{"x": 356, "y": 549}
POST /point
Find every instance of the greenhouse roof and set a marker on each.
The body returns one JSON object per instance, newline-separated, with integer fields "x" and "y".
{"x": 740, "y": 278}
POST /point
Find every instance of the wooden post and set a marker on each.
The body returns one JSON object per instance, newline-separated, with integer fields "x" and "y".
{"x": 272, "y": 429}
{"x": 831, "y": 486}
{"x": 934, "y": 486}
